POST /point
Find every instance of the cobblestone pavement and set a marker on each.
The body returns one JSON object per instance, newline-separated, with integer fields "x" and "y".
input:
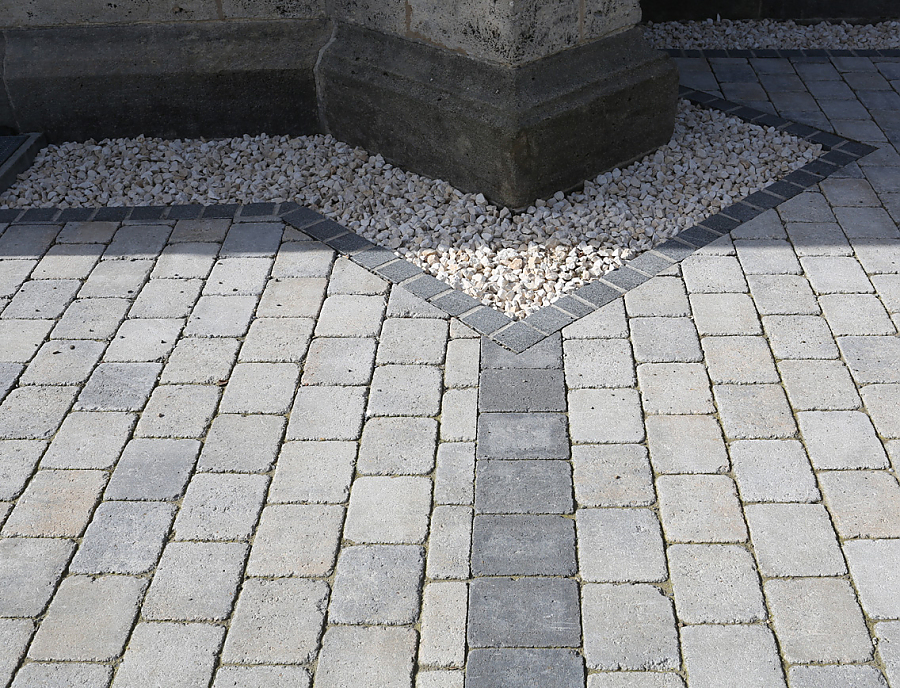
{"x": 232, "y": 458}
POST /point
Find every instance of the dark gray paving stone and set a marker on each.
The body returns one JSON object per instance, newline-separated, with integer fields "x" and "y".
{"x": 529, "y": 612}
{"x": 523, "y": 487}
{"x": 522, "y": 436}
{"x": 522, "y": 390}
{"x": 524, "y": 668}
{"x": 518, "y": 337}
{"x": 545, "y": 354}
{"x": 523, "y": 546}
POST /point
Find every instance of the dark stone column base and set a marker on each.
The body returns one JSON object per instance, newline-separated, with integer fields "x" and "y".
{"x": 512, "y": 133}
{"x": 213, "y": 79}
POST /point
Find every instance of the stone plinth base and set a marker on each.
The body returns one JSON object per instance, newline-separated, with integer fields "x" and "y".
{"x": 512, "y": 133}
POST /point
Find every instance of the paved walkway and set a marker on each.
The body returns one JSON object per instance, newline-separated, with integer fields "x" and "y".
{"x": 230, "y": 457}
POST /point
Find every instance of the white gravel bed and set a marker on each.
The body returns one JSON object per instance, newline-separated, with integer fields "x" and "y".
{"x": 515, "y": 261}
{"x": 768, "y": 33}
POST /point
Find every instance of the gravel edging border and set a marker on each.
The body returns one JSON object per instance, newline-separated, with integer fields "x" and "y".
{"x": 522, "y": 334}
{"x": 793, "y": 53}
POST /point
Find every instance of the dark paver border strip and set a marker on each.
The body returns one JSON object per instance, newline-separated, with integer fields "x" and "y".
{"x": 516, "y": 335}
{"x": 792, "y": 53}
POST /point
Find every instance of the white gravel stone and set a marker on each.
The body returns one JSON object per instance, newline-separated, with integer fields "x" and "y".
{"x": 515, "y": 260}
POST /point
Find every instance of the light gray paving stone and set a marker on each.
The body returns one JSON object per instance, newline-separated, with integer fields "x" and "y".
{"x": 686, "y": 444}
{"x": 713, "y": 274}
{"x": 854, "y": 676}
{"x": 607, "y": 322}
{"x": 821, "y": 239}
{"x": 296, "y": 540}
{"x": 875, "y": 569}
{"x": 338, "y": 361}
{"x": 27, "y": 241}
{"x": 34, "y": 413}
{"x": 391, "y": 510}
{"x": 700, "y": 509}
{"x": 856, "y": 314}
{"x": 350, "y": 316}
{"x": 18, "y": 459}
{"x": 221, "y": 507}
{"x": 353, "y": 656}
{"x": 783, "y": 295}
{"x": 893, "y": 450}
{"x": 377, "y": 584}
{"x": 819, "y": 385}
{"x": 767, "y": 257}
{"x": 405, "y": 390}
{"x": 399, "y": 446}
{"x": 209, "y": 229}
{"x": 725, "y": 314}
{"x": 30, "y": 569}
{"x": 13, "y": 273}
{"x": 143, "y": 340}
{"x": 125, "y": 279}
{"x": 628, "y": 627}
{"x": 605, "y": 416}
{"x": 20, "y": 339}
{"x": 277, "y": 340}
{"x": 200, "y": 360}
{"x": 195, "y": 581}
{"x": 888, "y": 634}
{"x": 664, "y": 340}
{"x": 41, "y": 299}
{"x": 863, "y": 504}
{"x": 715, "y": 584}
{"x": 349, "y": 278}
{"x": 459, "y": 415}
{"x": 598, "y": 363}
{"x": 56, "y": 504}
{"x": 739, "y": 360}
{"x": 733, "y": 656}
{"x": 124, "y": 537}
{"x": 170, "y": 654}
{"x": 871, "y": 359}
{"x": 71, "y": 674}
{"x": 754, "y": 411}
{"x": 887, "y": 286}
{"x": 160, "y": 298}
{"x": 878, "y": 255}
{"x": 800, "y": 337}
{"x": 241, "y": 444}
{"x": 303, "y": 259}
{"x": 87, "y": 233}
{"x": 313, "y": 472}
{"x": 612, "y": 476}
{"x": 89, "y": 619}
{"x": 620, "y": 546}
{"x": 841, "y": 440}
{"x": 153, "y": 470}
{"x": 252, "y": 239}
{"x": 523, "y": 487}
{"x": 231, "y": 276}
{"x": 137, "y": 241}
{"x": 794, "y": 540}
{"x": 178, "y": 411}
{"x": 9, "y": 372}
{"x": 63, "y": 362}
{"x": 260, "y": 388}
{"x": 327, "y": 413}
{"x": 91, "y": 319}
{"x": 818, "y": 620}
{"x": 276, "y": 622}
{"x": 403, "y": 304}
{"x": 867, "y": 223}
{"x": 5, "y": 509}
{"x": 261, "y": 676}
{"x": 635, "y": 679}
{"x": 443, "y": 626}
{"x": 408, "y": 340}
{"x": 883, "y": 406}
{"x": 14, "y": 637}
{"x": 450, "y": 542}
{"x": 674, "y": 388}
{"x": 292, "y": 298}
{"x": 221, "y": 316}
{"x": 849, "y": 192}
{"x": 186, "y": 260}
{"x": 773, "y": 471}
{"x": 836, "y": 275}
{"x": 461, "y": 367}
{"x": 765, "y": 226}
{"x": 454, "y": 476}
{"x": 68, "y": 262}
{"x": 660, "y": 296}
